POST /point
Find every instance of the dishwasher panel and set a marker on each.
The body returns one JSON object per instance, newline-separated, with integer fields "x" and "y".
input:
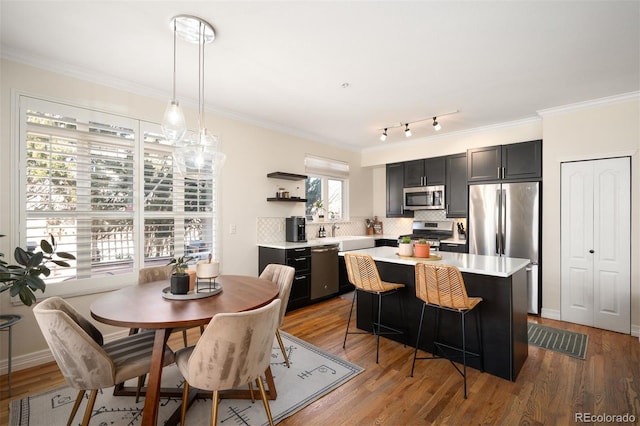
{"x": 324, "y": 271}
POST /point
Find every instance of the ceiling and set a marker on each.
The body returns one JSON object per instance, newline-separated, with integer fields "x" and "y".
{"x": 283, "y": 65}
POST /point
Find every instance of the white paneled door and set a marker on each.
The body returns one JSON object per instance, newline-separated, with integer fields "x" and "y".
{"x": 596, "y": 243}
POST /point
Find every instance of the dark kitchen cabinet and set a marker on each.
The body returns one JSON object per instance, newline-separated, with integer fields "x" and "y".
{"x": 428, "y": 171}
{"x": 395, "y": 184}
{"x": 456, "y": 185}
{"x": 300, "y": 260}
{"x": 518, "y": 161}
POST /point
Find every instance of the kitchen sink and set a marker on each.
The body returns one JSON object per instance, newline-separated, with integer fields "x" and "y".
{"x": 350, "y": 242}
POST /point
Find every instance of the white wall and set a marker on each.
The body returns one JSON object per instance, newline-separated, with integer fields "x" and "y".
{"x": 251, "y": 151}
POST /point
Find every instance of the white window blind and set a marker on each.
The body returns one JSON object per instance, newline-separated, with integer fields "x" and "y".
{"x": 326, "y": 167}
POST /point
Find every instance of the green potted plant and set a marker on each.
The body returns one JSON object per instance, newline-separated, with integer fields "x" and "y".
{"x": 25, "y": 277}
{"x": 319, "y": 206}
{"x": 421, "y": 248}
{"x": 405, "y": 248}
{"x": 179, "y": 276}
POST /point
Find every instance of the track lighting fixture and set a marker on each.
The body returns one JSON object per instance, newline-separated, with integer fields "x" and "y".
{"x": 407, "y": 131}
{"x": 436, "y": 125}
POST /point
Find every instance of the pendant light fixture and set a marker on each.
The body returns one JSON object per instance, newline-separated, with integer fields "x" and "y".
{"x": 174, "y": 125}
{"x": 383, "y": 136}
{"x": 197, "y": 155}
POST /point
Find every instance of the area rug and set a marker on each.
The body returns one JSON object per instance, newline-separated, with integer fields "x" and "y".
{"x": 563, "y": 341}
{"x": 313, "y": 373}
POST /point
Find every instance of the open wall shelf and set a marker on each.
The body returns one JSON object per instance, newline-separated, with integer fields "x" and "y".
{"x": 286, "y": 176}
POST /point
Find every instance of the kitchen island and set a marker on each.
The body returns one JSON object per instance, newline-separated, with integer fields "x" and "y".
{"x": 500, "y": 281}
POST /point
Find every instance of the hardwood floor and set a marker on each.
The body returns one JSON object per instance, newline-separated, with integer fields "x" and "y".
{"x": 550, "y": 389}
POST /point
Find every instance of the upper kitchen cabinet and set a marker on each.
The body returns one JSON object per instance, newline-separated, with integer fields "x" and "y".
{"x": 429, "y": 171}
{"x": 395, "y": 184}
{"x": 456, "y": 189}
{"x": 518, "y": 161}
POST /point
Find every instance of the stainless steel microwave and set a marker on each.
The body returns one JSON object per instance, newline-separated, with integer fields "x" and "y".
{"x": 424, "y": 198}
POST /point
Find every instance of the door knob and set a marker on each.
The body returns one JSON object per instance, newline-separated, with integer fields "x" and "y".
{"x": 591, "y": 251}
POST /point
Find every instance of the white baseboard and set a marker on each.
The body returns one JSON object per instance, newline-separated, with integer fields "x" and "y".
{"x": 550, "y": 313}
{"x": 44, "y": 356}
{"x": 635, "y": 331}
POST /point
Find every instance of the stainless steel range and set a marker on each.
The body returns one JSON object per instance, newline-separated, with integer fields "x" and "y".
{"x": 432, "y": 230}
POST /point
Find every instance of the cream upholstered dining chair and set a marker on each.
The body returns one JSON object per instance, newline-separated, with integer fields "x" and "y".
{"x": 283, "y": 276}
{"x": 442, "y": 287}
{"x": 86, "y": 362}
{"x": 363, "y": 274}
{"x": 234, "y": 350}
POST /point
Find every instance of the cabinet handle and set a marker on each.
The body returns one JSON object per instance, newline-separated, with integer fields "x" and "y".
{"x": 299, "y": 249}
{"x": 503, "y": 172}
{"x": 591, "y": 251}
{"x": 498, "y": 172}
{"x": 300, "y": 278}
{"x": 300, "y": 259}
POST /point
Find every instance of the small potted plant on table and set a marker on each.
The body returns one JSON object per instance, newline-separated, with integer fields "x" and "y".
{"x": 405, "y": 248}
{"x": 421, "y": 248}
{"x": 179, "y": 276}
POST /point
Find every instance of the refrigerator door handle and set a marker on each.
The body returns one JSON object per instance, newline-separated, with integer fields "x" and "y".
{"x": 503, "y": 230}
{"x": 497, "y": 224}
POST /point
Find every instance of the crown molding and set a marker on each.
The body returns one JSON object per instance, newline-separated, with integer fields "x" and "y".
{"x": 147, "y": 91}
{"x": 609, "y": 100}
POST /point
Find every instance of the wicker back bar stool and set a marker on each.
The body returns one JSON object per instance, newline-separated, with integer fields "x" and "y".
{"x": 363, "y": 274}
{"x": 442, "y": 287}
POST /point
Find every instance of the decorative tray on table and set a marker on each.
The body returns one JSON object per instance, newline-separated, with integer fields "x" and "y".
{"x": 196, "y": 293}
{"x": 432, "y": 257}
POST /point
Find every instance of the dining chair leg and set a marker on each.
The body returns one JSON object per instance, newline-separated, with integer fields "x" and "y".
{"x": 284, "y": 352}
{"x": 253, "y": 399}
{"x": 415, "y": 352}
{"x": 76, "y": 405}
{"x": 89, "y": 410}
{"x": 185, "y": 398}
{"x": 214, "y": 408}
{"x": 265, "y": 401}
{"x": 141, "y": 380}
{"x": 355, "y": 292}
{"x": 464, "y": 355}
{"x": 378, "y": 330}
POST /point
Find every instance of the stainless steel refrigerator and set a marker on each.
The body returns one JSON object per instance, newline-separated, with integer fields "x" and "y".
{"x": 504, "y": 220}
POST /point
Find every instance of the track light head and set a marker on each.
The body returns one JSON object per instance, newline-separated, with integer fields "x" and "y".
{"x": 436, "y": 125}
{"x": 407, "y": 132}
{"x": 383, "y": 136}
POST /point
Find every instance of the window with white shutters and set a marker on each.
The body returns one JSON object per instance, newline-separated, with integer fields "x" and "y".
{"x": 106, "y": 188}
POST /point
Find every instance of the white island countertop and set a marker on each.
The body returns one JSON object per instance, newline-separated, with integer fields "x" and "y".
{"x": 471, "y": 263}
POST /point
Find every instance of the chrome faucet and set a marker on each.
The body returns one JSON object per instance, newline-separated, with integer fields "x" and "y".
{"x": 334, "y": 226}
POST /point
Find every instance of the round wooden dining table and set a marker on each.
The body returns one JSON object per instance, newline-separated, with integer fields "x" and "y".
{"x": 143, "y": 306}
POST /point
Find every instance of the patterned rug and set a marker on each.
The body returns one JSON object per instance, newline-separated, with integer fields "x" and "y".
{"x": 313, "y": 373}
{"x": 563, "y": 341}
